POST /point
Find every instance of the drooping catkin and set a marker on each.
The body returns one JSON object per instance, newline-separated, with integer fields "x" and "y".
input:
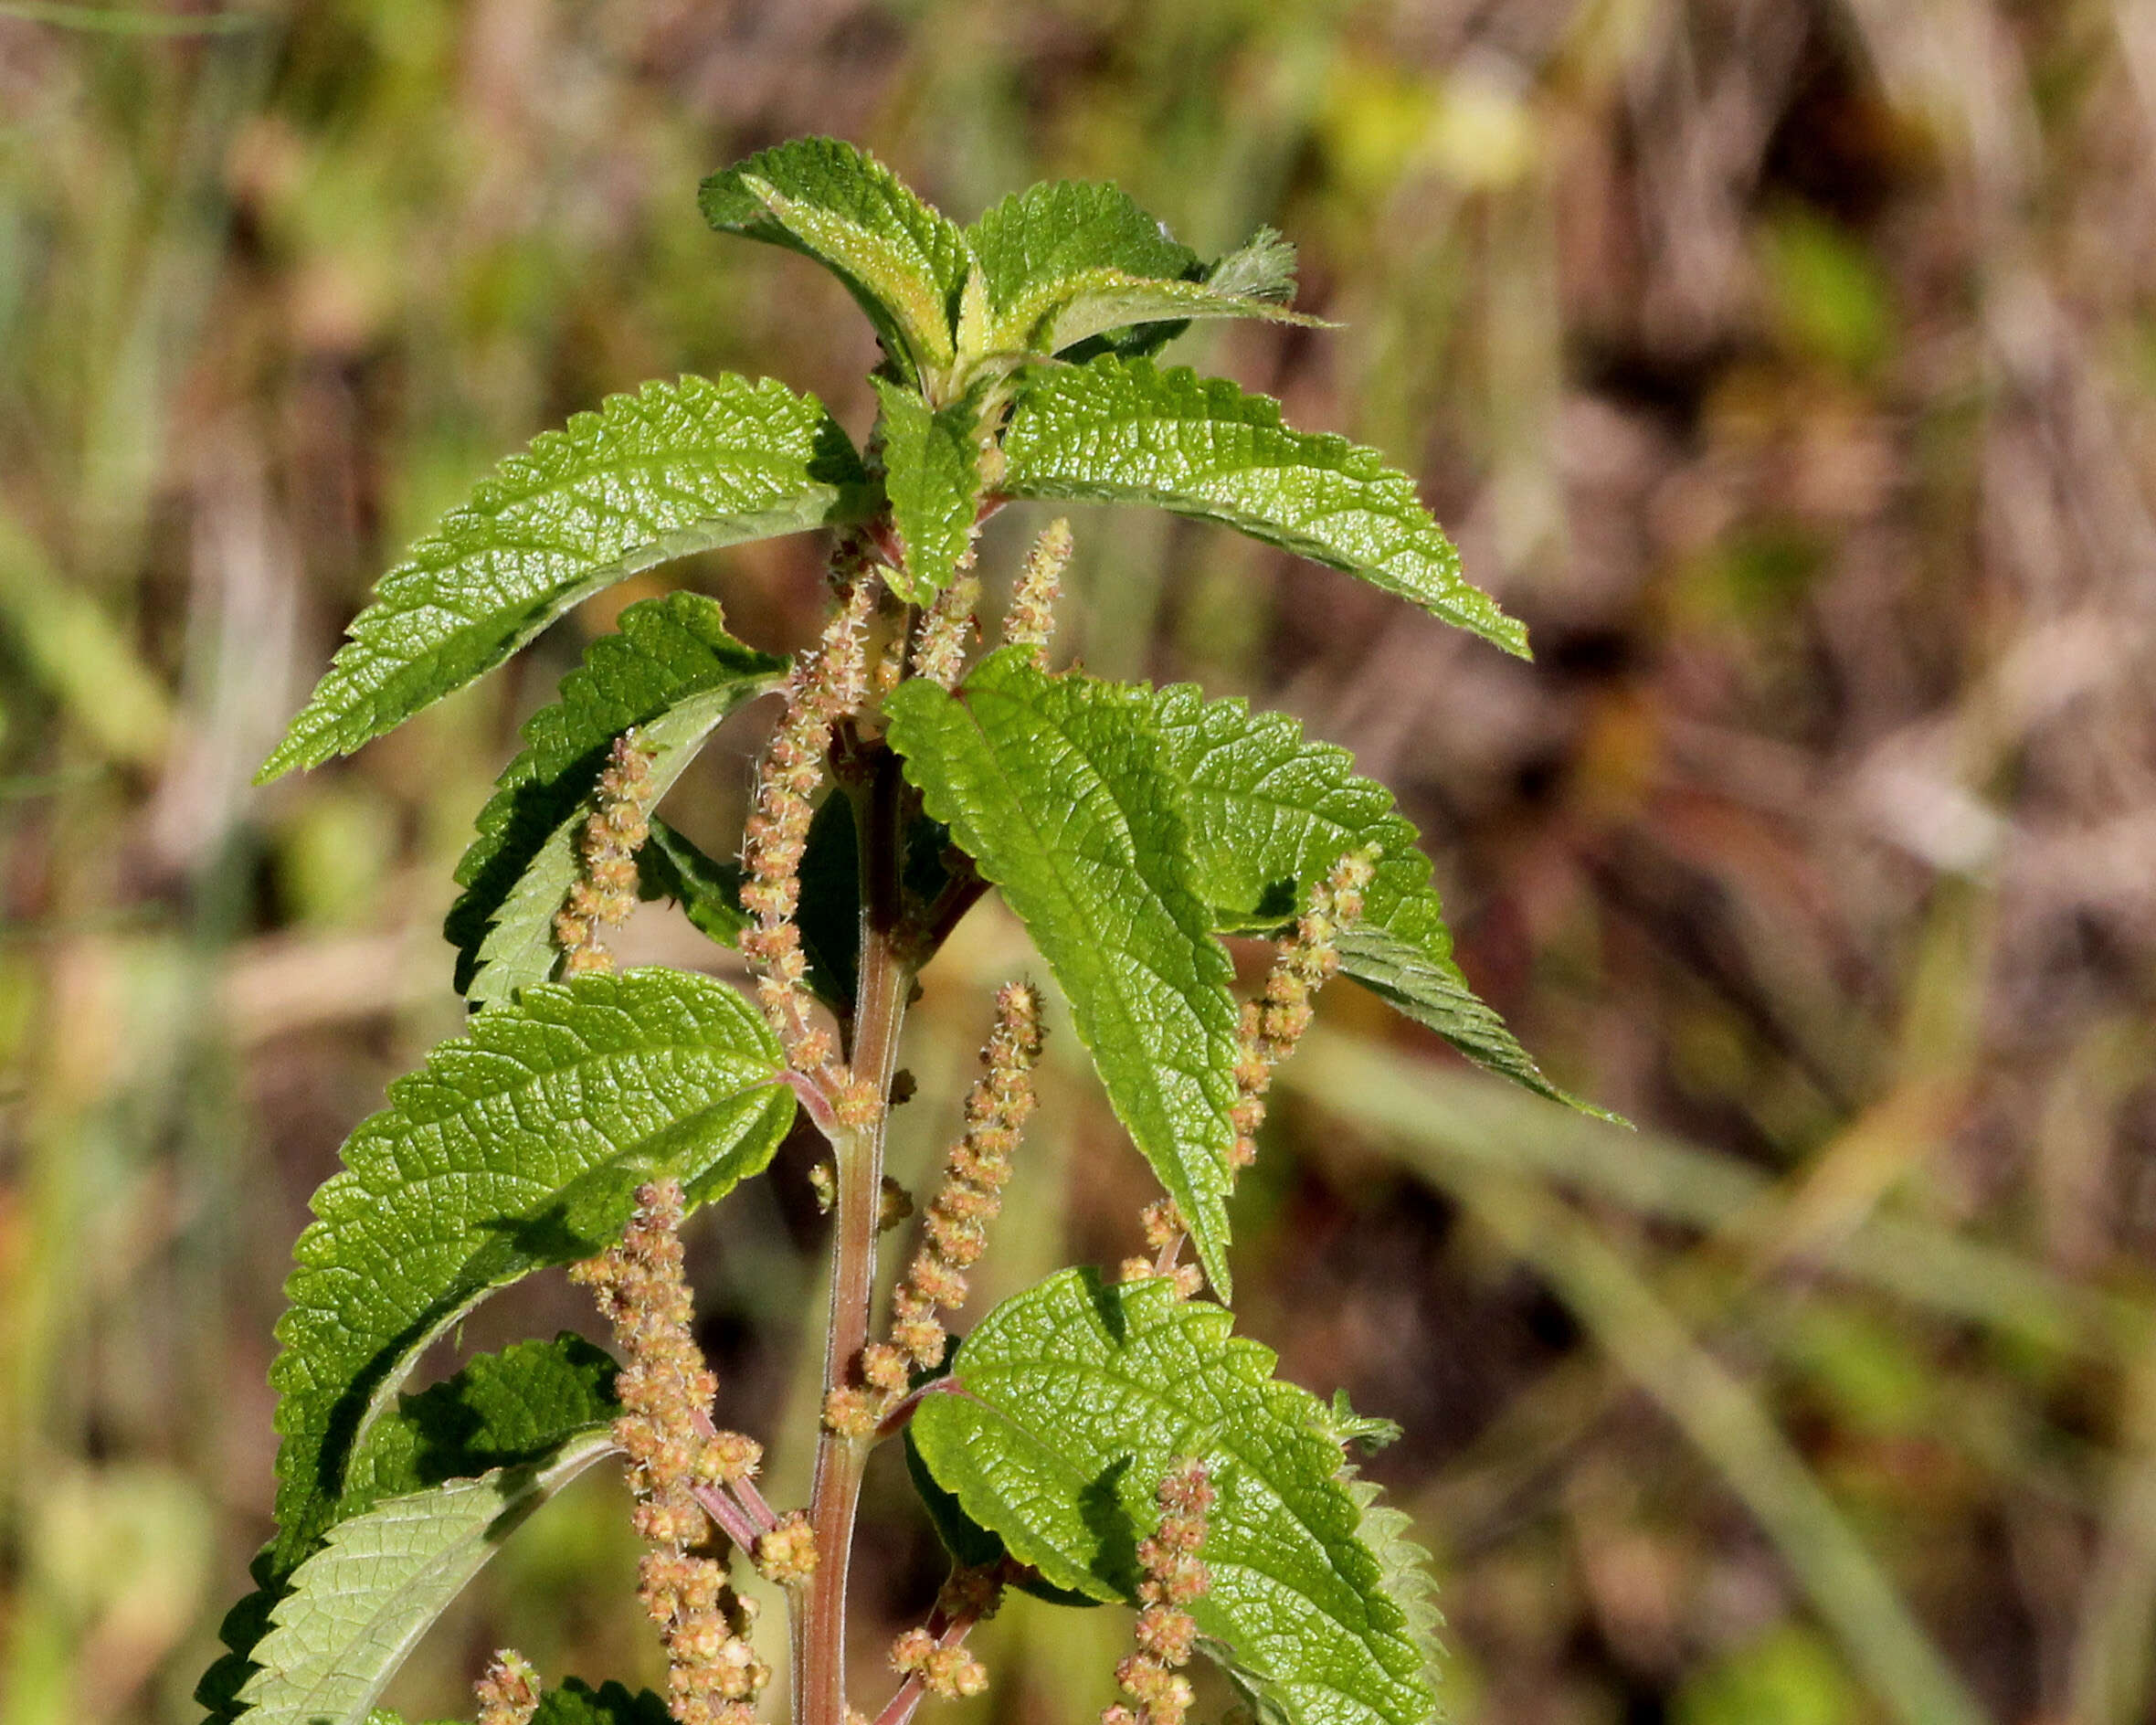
{"x": 713, "y": 1675}
{"x": 1270, "y": 1027}
{"x": 827, "y": 683}
{"x": 1032, "y": 618}
{"x": 955, "y": 1230}
{"x": 605, "y": 892}
{"x": 1171, "y": 1575}
{"x": 509, "y": 1692}
{"x": 1274, "y": 1022}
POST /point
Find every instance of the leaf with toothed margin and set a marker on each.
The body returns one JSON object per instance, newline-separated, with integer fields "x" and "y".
{"x": 573, "y": 1702}
{"x": 1054, "y": 787}
{"x": 903, "y": 262}
{"x": 508, "y": 1410}
{"x": 1065, "y": 262}
{"x": 1270, "y": 812}
{"x": 1075, "y": 1399}
{"x": 672, "y": 674}
{"x": 673, "y": 867}
{"x": 360, "y": 1604}
{"x": 673, "y": 468}
{"x": 518, "y": 1145}
{"x": 932, "y": 477}
{"x": 1116, "y": 430}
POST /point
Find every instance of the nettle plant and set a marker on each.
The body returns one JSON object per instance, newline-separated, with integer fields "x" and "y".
{"x": 1098, "y": 1438}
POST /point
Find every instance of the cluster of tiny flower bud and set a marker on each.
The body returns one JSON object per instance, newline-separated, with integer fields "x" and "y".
{"x": 786, "y": 1553}
{"x": 1032, "y": 618}
{"x": 955, "y": 1231}
{"x": 509, "y": 1693}
{"x": 1272, "y": 1025}
{"x": 940, "y": 642}
{"x": 946, "y": 1670}
{"x": 606, "y": 888}
{"x": 827, "y": 683}
{"x": 1172, "y": 1576}
{"x": 933, "y": 1659}
{"x": 1164, "y": 1231}
{"x": 678, "y": 1466}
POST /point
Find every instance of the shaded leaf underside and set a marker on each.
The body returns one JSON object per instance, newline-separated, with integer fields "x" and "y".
{"x": 514, "y": 1409}
{"x": 359, "y": 1605}
{"x": 672, "y": 672}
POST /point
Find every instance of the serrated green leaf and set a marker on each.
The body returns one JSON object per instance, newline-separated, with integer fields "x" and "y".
{"x": 932, "y": 477}
{"x": 1118, "y": 430}
{"x": 829, "y": 912}
{"x": 1054, "y": 787}
{"x": 672, "y": 672}
{"x": 516, "y": 1146}
{"x": 1269, "y": 813}
{"x": 1067, "y": 261}
{"x": 360, "y": 1604}
{"x": 901, "y": 261}
{"x": 502, "y": 1409}
{"x": 1038, "y": 237}
{"x": 669, "y": 866}
{"x": 1403, "y": 1565}
{"x": 574, "y": 1702}
{"x": 1074, "y": 1401}
{"x": 673, "y": 468}
{"x": 507, "y": 1410}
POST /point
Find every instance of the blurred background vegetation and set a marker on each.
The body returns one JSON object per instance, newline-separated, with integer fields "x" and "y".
{"x": 1788, "y": 365}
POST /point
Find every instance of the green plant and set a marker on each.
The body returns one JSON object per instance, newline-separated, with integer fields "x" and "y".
{"x": 1095, "y": 1440}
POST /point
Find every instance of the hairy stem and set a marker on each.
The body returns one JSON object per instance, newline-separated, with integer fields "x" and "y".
{"x": 819, "y": 1610}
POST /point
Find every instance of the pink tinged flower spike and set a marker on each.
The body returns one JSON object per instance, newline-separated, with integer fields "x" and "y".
{"x": 509, "y": 1692}
{"x": 1171, "y": 1575}
{"x": 827, "y": 683}
{"x": 954, "y": 1232}
{"x": 604, "y": 891}
{"x": 1032, "y": 618}
{"x": 682, "y": 1471}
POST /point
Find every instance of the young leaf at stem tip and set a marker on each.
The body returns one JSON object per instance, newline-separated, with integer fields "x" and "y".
{"x": 903, "y": 262}
{"x": 932, "y": 477}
